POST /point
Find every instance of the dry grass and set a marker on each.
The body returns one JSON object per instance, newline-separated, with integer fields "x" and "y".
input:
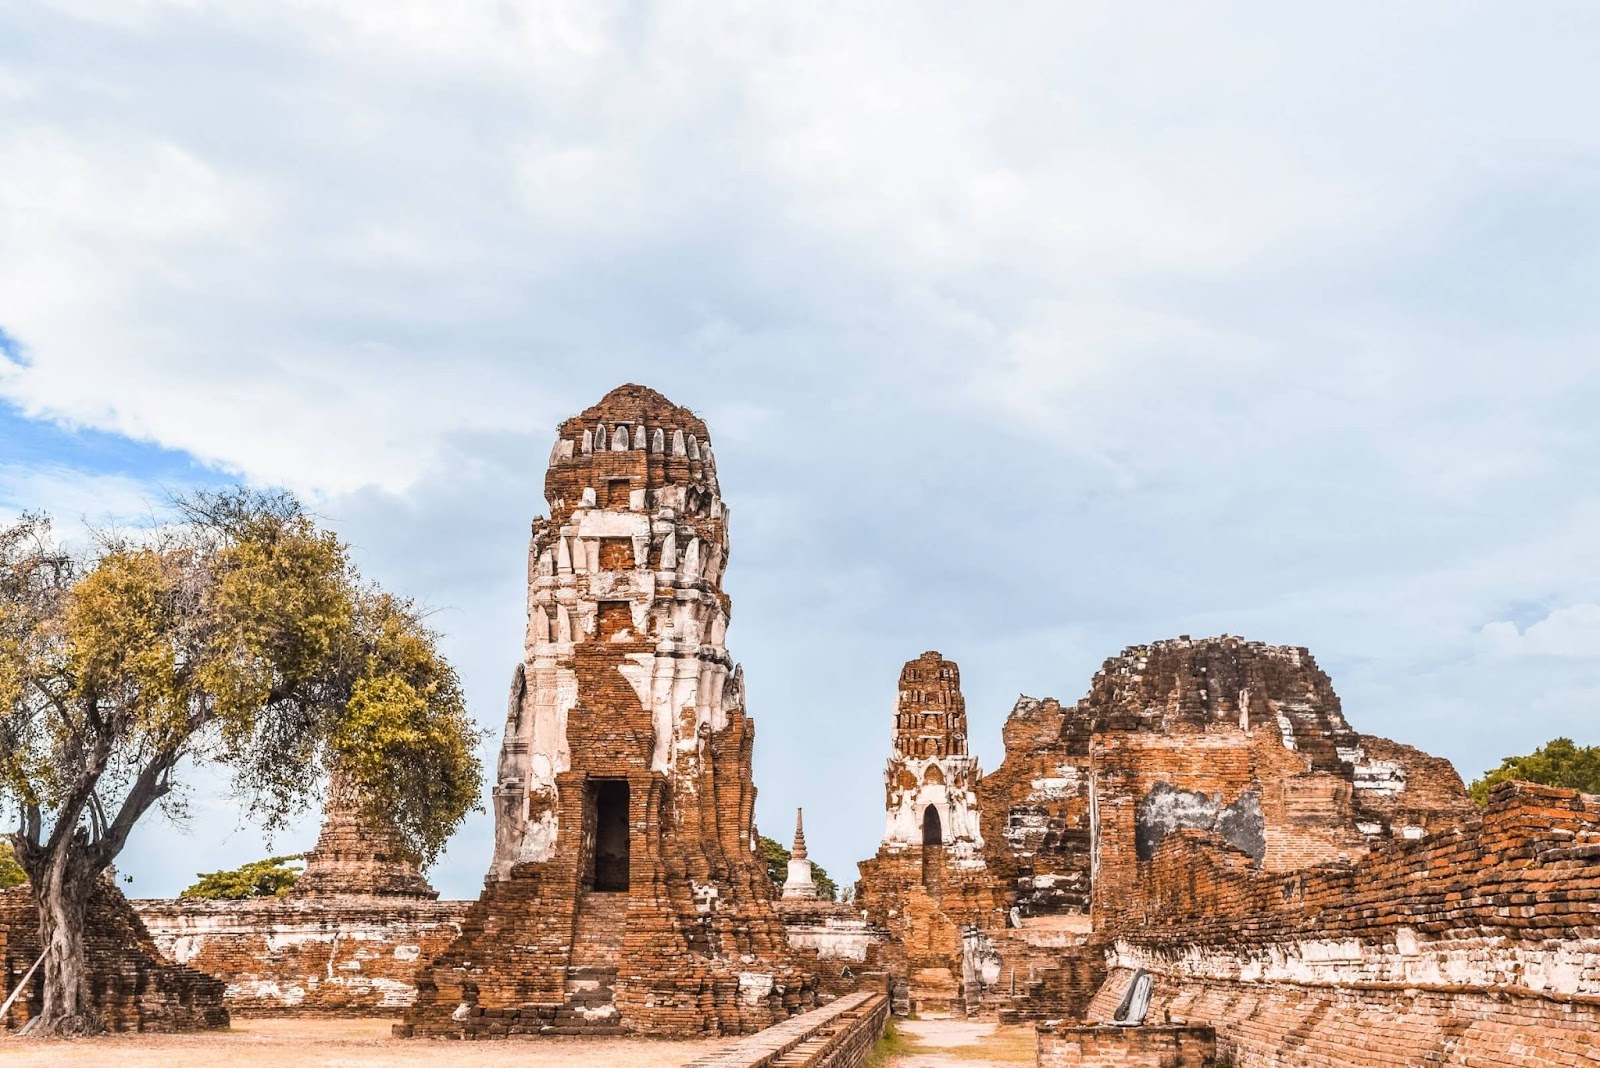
{"x": 1008, "y": 1045}
{"x": 889, "y": 1049}
{"x": 291, "y": 1043}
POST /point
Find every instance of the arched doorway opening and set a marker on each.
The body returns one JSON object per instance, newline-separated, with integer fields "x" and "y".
{"x": 932, "y": 850}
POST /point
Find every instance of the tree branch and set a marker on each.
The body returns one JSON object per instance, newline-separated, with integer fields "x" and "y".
{"x": 153, "y": 782}
{"x": 97, "y": 817}
{"x": 72, "y": 806}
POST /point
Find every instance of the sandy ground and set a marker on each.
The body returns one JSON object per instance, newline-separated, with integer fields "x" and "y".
{"x": 956, "y": 1043}
{"x": 293, "y": 1043}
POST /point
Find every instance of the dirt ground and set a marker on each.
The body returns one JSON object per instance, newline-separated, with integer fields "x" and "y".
{"x": 956, "y": 1043}
{"x": 340, "y": 1044}
{"x": 926, "y": 1043}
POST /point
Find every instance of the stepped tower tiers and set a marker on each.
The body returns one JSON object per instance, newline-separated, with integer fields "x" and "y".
{"x": 624, "y": 589}
{"x": 799, "y": 883}
{"x": 357, "y": 855}
{"x": 931, "y": 782}
{"x": 624, "y": 893}
{"x": 929, "y": 885}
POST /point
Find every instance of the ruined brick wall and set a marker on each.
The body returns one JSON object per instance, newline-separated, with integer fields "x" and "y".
{"x": 354, "y": 955}
{"x": 1035, "y": 809}
{"x": 832, "y": 942}
{"x": 1237, "y": 739}
{"x": 1153, "y": 1046}
{"x": 131, "y": 985}
{"x": 1247, "y": 741}
{"x": 1220, "y": 733}
{"x": 624, "y": 892}
{"x": 1475, "y": 945}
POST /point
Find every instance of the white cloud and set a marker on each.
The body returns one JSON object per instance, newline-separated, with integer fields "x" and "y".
{"x": 77, "y": 503}
{"x": 1038, "y": 331}
{"x": 1573, "y": 631}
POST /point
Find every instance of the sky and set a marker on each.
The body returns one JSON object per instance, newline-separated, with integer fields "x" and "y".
{"x": 1024, "y": 332}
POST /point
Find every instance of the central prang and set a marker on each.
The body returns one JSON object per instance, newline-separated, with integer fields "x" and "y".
{"x": 624, "y": 893}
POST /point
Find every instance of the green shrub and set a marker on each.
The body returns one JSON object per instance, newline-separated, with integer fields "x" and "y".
{"x": 11, "y": 873}
{"x": 272, "y": 877}
{"x": 1559, "y": 762}
{"x": 777, "y": 860}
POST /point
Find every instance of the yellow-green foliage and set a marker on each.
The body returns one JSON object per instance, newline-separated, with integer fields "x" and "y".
{"x": 405, "y": 736}
{"x": 239, "y": 635}
{"x": 272, "y": 877}
{"x": 11, "y": 873}
{"x": 1559, "y": 762}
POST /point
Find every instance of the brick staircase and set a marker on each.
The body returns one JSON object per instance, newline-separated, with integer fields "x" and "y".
{"x": 590, "y": 1007}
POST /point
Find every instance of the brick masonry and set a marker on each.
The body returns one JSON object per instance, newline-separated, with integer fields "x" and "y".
{"x": 838, "y": 1035}
{"x": 133, "y": 987}
{"x": 358, "y": 855}
{"x": 930, "y": 886}
{"x": 351, "y": 955}
{"x": 1152, "y": 1046}
{"x": 625, "y": 894}
{"x": 1475, "y": 945}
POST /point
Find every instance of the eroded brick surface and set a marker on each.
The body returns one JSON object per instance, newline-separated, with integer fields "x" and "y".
{"x": 624, "y": 892}
{"x": 1153, "y": 1046}
{"x": 133, "y": 987}
{"x": 357, "y": 855}
{"x": 929, "y": 886}
{"x": 1477, "y": 945}
{"x": 344, "y": 955}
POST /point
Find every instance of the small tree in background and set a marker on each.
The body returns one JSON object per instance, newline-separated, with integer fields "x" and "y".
{"x": 1559, "y": 762}
{"x": 11, "y": 873}
{"x": 239, "y": 635}
{"x": 272, "y": 877}
{"x": 776, "y": 856}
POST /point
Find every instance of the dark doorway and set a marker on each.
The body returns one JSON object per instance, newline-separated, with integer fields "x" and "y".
{"x": 608, "y": 801}
{"x": 932, "y": 830}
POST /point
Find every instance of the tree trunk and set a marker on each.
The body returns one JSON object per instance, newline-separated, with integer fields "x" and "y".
{"x": 63, "y": 900}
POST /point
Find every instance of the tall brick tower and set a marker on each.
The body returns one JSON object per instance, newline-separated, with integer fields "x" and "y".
{"x": 624, "y": 893}
{"x": 931, "y": 782}
{"x": 929, "y": 884}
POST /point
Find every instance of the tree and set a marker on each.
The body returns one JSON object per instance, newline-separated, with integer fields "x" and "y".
{"x": 1559, "y": 762}
{"x": 776, "y": 857}
{"x": 237, "y": 635}
{"x": 272, "y": 877}
{"x": 11, "y": 873}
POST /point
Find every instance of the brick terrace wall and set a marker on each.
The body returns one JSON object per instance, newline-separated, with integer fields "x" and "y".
{"x": 132, "y": 986}
{"x": 343, "y": 956}
{"x": 839, "y": 1035}
{"x": 1126, "y": 1047}
{"x": 1479, "y": 945}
